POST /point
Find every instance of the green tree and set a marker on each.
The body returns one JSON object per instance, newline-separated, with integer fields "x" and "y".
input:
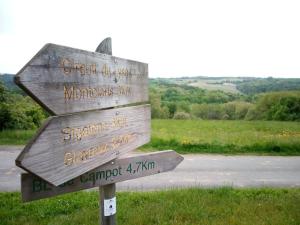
{"x": 276, "y": 106}
{"x": 184, "y": 107}
{"x": 172, "y": 108}
{"x": 157, "y": 111}
{"x": 2, "y": 92}
{"x": 18, "y": 112}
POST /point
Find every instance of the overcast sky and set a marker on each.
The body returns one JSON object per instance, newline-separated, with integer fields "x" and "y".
{"x": 176, "y": 38}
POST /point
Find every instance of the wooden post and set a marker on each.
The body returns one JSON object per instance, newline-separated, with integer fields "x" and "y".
{"x": 108, "y": 204}
{"x": 105, "y": 47}
{"x": 107, "y": 192}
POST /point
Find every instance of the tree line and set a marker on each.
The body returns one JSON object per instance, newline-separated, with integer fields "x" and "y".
{"x": 263, "y": 85}
{"x": 186, "y": 102}
{"x": 170, "y": 101}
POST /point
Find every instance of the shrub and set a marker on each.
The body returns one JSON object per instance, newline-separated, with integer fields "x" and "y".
{"x": 181, "y": 116}
{"x": 18, "y": 112}
{"x": 277, "y": 106}
{"x": 208, "y": 111}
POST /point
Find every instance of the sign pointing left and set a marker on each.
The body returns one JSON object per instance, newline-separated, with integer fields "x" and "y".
{"x": 70, "y": 145}
{"x": 67, "y": 80}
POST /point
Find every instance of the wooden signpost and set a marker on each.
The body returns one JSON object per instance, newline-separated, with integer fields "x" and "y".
{"x": 68, "y": 146}
{"x": 121, "y": 169}
{"x": 67, "y": 80}
{"x": 80, "y": 148}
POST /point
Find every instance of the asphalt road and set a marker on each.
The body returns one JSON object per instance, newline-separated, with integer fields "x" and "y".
{"x": 195, "y": 170}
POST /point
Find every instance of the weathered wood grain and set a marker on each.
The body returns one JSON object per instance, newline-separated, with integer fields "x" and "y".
{"x": 34, "y": 188}
{"x": 106, "y": 191}
{"x": 70, "y": 145}
{"x": 66, "y": 80}
{"x": 105, "y": 47}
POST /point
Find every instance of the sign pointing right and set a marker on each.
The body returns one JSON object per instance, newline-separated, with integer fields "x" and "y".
{"x": 121, "y": 169}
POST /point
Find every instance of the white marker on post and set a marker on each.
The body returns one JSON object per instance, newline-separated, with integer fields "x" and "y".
{"x": 110, "y": 206}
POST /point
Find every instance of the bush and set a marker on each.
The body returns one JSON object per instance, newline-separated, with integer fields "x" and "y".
{"x": 277, "y": 106}
{"x": 18, "y": 112}
{"x": 208, "y": 111}
{"x": 237, "y": 110}
{"x": 157, "y": 111}
{"x": 252, "y": 114}
{"x": 181, "y": 116}
{"x": 225, "y": 117}
{"x": 172, "y": 108}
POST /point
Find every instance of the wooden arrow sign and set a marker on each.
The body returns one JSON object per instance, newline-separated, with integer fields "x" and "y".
{"x": 121, "y": 169}
{"x": 68, "y": 146}
{"x": 66, "y": 80}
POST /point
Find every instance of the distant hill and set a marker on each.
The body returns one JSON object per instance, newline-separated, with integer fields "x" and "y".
{"x": 8, "y": 81}
{"x": 262, "y": 85}
{"x": 234, "y": 85}
{"x": 245, "y": 85}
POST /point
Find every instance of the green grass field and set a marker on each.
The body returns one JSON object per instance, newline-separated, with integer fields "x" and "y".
{"x": 15, "y": 137}
{"x": 207, "y": 136}
{"x": 229, "y": 137}
{"x": 221, "y": 206}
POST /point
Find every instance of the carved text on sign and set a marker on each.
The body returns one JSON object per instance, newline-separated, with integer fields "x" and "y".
{"x": 119, "y": 72}
{"x": 130, "y": 169}
{"x": 77, "y": 157}
{"x": 59, "y": 78}
{"x": 75, "y": 92}
{"x": 77, "y": 133}
{"x": 70, "y": 66}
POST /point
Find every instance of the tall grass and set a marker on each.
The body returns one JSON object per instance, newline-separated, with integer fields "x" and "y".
{"x": 221, "y": 206}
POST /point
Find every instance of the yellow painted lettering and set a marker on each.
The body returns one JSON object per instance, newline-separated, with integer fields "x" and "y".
{"x": 68, "y": 159}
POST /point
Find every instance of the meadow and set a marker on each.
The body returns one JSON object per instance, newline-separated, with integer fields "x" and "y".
{"x": 15, "y": 137}
{"x": 221, "y": 206}
{"x": 226, "y": 137}
{"x": 208, "y": 136}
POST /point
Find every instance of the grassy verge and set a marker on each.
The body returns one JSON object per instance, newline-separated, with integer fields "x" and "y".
{"x": 177, "y": 207}
{"x": 15, "y": 137}
{"x": 229, "y": 137}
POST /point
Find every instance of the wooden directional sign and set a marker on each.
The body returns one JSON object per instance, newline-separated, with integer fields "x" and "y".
{"x": 121, "y": 169}
{"x": 68, "y": 146}
{"x": 66, "y": 80}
